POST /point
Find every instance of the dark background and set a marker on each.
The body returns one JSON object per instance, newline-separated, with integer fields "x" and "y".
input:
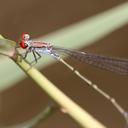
{"x": 25, "y": 99}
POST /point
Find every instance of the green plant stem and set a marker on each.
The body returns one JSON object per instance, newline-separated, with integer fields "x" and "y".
{"x": 71, "y": 108}
{"x": 43, "y": 115}
{"x": 48, "y": 111}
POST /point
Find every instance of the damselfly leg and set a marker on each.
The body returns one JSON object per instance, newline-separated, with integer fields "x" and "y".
{"x": 36, "y": 55}
{"x": 36, "y": 58}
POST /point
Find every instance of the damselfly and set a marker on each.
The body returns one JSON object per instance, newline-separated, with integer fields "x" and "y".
{"x": 114, "y": 64}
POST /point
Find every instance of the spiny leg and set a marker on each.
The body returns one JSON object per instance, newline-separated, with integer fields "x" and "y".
{"x": 35, "y": 57}
{"x": 26, "y": 53}
{"x": 39, "y": 56}
{"x": 32, "y": 63}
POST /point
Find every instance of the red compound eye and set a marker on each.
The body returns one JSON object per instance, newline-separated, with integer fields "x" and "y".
{"x": 22, "y": 36}
{"x": 23, "y": 45}
{"x": 25, "y": 36}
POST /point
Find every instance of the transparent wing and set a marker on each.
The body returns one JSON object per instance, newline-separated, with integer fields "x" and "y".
{"x": 113, "y": 64}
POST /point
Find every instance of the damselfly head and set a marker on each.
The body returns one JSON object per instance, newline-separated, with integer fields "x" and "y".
{"x": 23, "y": 44}
{"x": 24, "y": 39}
{"x": 25, "y": 36}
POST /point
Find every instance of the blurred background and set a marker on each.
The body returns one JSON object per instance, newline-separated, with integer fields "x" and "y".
{"x": 23, "y": 100}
